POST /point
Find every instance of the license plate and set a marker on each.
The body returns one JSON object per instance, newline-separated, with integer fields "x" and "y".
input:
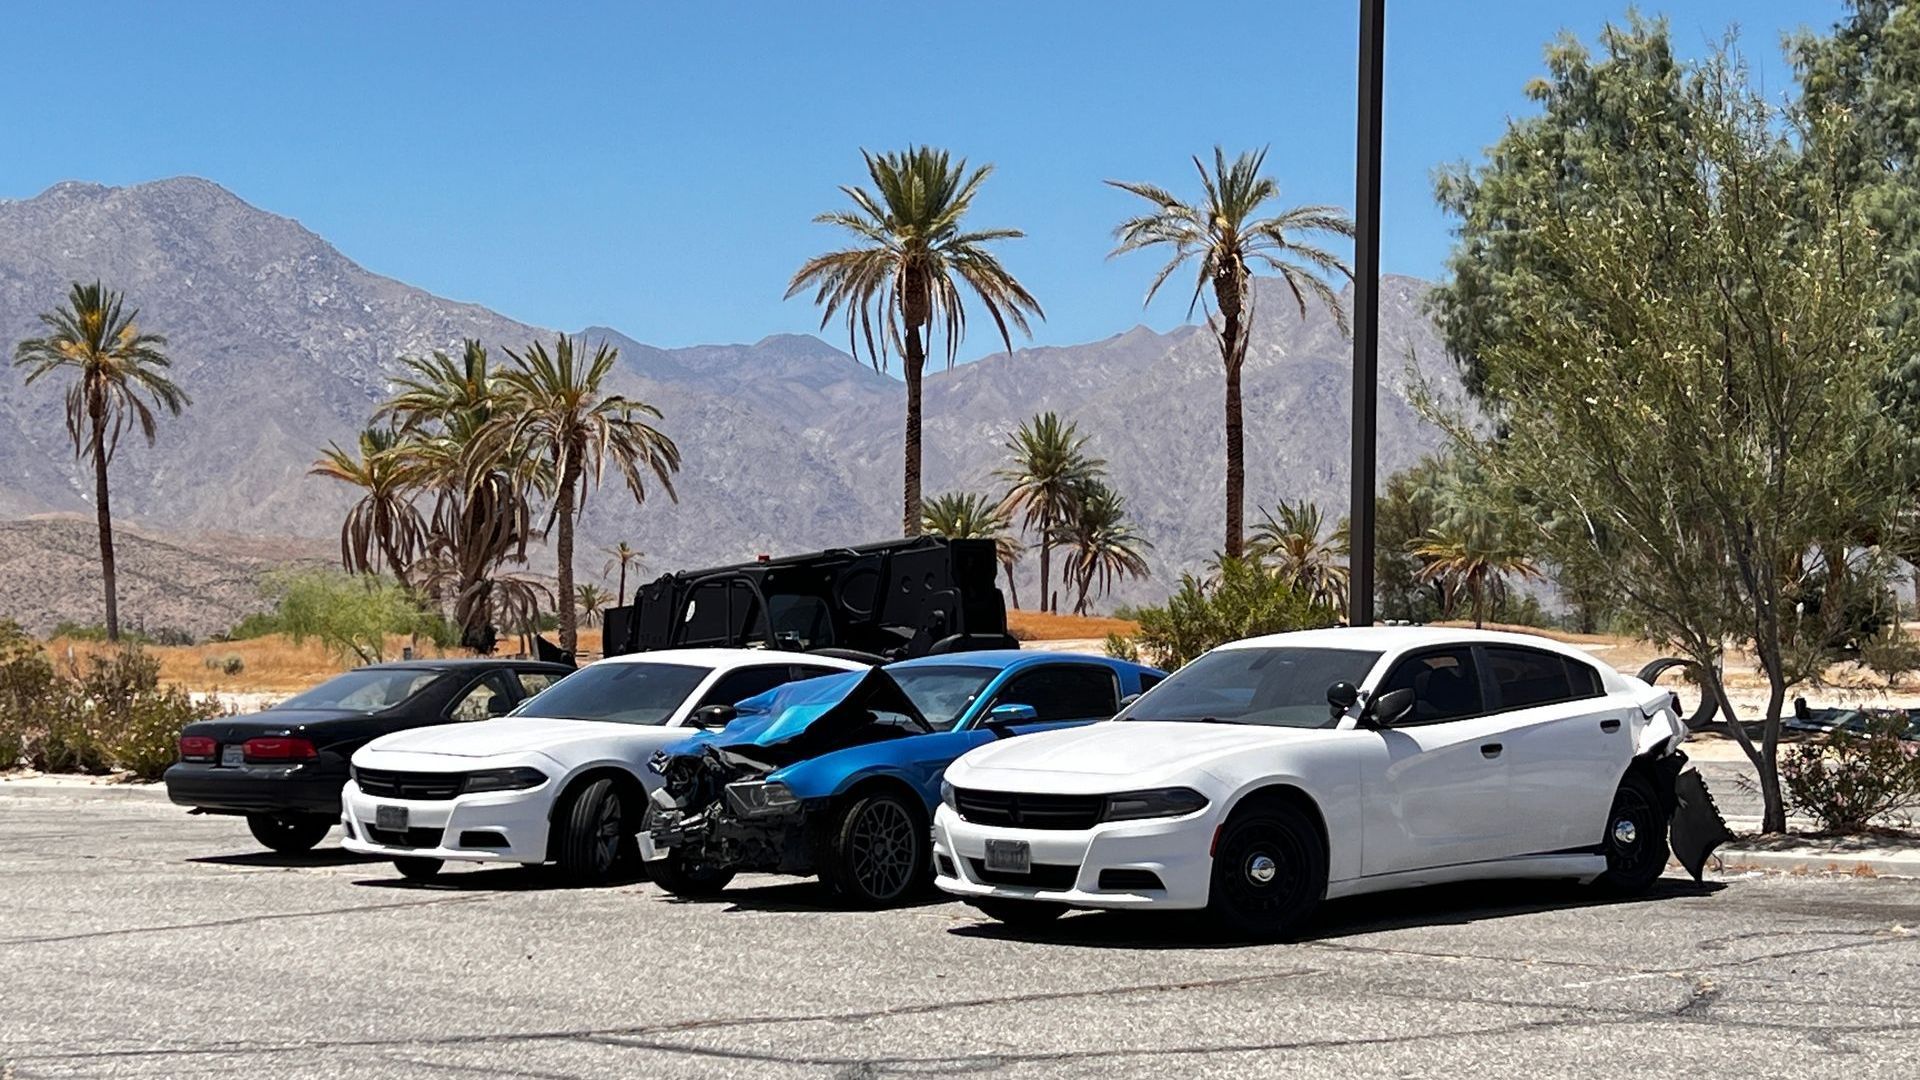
{"x": 233, "y": 754}
{"x": 1009, "y": 856}
{"x": 390, "y": 817}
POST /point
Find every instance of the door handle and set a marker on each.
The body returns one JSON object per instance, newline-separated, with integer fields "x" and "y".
{"x": 1610, "y": 726}
{"x": 1491, "y": 750}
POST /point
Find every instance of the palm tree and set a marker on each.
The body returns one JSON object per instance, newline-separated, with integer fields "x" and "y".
{"x": 559, "y": 408}
{"x": 1224, "y": 233}
{"x": 589, "y": 599}
{"x": 112, "y": 365}
{"x": 1474, "y": 562}
{"x": 1048, "y": 470}
{"x": 904, "y": 275}
{"x": 384, "y": 524}
{"x": 969, "y": 515}
{"x": 1102, "y": 544}
{"x": 1292, "y": 541}
{"x": 621, "y": 554}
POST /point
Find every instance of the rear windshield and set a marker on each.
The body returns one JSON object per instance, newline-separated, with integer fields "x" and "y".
{"x": 366, "y": 690}
{"x": 1280, "y": 687}
{"x": 624, "y": 693}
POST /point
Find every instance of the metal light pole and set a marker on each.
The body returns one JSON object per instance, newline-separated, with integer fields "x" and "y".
{"x": 1366, "y": 311}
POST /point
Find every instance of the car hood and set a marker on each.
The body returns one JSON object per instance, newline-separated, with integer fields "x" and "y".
{"x": 506, "y": 735}
{"x": 1120, "y": 748}
{"x": 823, "y": 710}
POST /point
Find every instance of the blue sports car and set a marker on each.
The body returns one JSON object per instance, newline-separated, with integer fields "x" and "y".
{"x": 838, "y": 776}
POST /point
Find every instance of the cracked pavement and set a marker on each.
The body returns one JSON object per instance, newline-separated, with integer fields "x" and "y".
{"x": 139, "y": 942}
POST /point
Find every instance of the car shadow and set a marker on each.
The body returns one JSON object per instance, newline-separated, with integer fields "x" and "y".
{"x": 803, "y": 895}
{"x": 1434, "y": 905}
{"x": 501, "y": 878}
{"x": 288, "y": 859}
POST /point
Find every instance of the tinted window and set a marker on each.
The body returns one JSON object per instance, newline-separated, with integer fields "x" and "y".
{"x": 1148, "y": 682}
{"x": 737, "y": 686}
{"x": 626, "y": 692}
{"x": 1444, "y": 682}
{"x": 1527, "y": 677}
{"x": 808, "y": 671}
{"x": 1284, "y": 687}
{"x": 490, "y": 696}
{"x": 943, "y": 693}
{"x": 366, "y": 690}
{"x": 1064, "y": 692}
{"x": 532, "y": 682}
{"x": 800, "y": 622}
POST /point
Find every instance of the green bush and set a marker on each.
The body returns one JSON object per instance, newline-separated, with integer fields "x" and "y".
{"x": 1850, "y": 780}
{"x": 1244, "y": 600}
{"x": 257, "y": 625}
{"x": 134, "y": 635}
{"x": 29, "y": 692}
{"x": 349, "y": 614}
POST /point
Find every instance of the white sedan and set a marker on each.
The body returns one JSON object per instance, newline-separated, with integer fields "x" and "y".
{"x": 561, "y": 779}
{"x": 1274, "y": 773}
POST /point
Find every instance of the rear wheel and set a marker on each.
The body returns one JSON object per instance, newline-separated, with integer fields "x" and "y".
{"x": 1269, "y": 872}
{"x": 593, "y": 833}
{"x": 289, "y": 832}
{"x": 876, "y": 852}
{"x": 682, "y": 877}
{"x": 1018, "y": 913}
{"x": 416, "y": 868}
{"x": 1636, "y": 838}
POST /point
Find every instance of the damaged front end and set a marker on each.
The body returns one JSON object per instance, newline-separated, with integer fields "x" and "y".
{"x": 1694, "y": 825}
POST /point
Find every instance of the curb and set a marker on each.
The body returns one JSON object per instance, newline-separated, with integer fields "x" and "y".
{"x": 1868, "y": 863}
{"x": 53, "y": 787}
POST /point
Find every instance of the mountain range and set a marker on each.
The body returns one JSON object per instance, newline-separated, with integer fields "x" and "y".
{"x": 790, "y": 443}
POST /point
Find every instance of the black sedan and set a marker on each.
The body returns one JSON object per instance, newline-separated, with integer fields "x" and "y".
{"x": 283, "y": 768}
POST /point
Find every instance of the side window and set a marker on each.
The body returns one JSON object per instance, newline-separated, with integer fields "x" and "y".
{"x": 1584, "y": 679}
{"x": 491, "y": 696}
{"x": 1527, "y": 677}
{"x": 1445, "y": 685}
{"x": 1148, "y": 682}
{"x": 743, "y": 683}
{"x": 532, "y": 682}
{"x": 808, "y": 671}
{"x": 1064, "y": 692}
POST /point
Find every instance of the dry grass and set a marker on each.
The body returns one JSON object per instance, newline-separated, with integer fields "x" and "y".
{"x": 1046, "y": 626}
{"x": 271, "y": 663}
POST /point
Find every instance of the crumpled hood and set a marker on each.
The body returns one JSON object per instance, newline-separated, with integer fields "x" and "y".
{"x": 488, "y": 738}
{"x": 821, "y": 709}
{"x": 1125, "y": 748}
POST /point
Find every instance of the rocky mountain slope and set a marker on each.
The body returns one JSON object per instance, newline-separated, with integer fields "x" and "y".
{"x": 790, "y": 444}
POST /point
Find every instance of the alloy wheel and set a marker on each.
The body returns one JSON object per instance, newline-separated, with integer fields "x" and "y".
{"x": 881, "y": 849}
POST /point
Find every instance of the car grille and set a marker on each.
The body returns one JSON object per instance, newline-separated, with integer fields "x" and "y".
{"x": 1042, "y": 876}
{"x": 409, "y": 785}
{"x": 406, "y": 838}
{"x": 1027, "y": 810}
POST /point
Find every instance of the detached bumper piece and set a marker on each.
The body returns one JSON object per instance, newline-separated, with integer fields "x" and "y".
{"x": 1696, "y": 827}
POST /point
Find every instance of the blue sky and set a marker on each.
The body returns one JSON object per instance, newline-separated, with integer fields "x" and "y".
{"x": 654, "y": 167}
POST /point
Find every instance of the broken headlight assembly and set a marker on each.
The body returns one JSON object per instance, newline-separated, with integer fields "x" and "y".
{"x": 1153, "y": 803}
{"x": 760, "y": 798}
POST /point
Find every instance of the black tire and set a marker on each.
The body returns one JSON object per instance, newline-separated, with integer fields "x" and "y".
{"x": 681, "y": 877}
{"x": 594, "y": 835}
{"x": 289, "y": 833}
{"x": 1635, "y": 840}
{"x": 877, "y": 852}
{"x": 418, "y": 868}
{"x": 1018, "y": 913}
{"x": 1269, "y": 872}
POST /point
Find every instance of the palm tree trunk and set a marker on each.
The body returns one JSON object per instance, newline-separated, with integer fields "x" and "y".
{"x": 104, "y": 515}
{"x": 916, "y": 360}
{"x": 1013, "y": 584}
{"x": 1046, "y": 557}
{"x": 1232, "y": 353}
{"x": 620, "y": 599}
{"x": 569, "y": 623}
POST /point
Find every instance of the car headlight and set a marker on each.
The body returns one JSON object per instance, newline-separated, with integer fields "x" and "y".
{"x": 756, "y": 798}
{"x": 516, "y": 779}
{"x": 946, "y": 795}
{"x": 1153, "y": 803}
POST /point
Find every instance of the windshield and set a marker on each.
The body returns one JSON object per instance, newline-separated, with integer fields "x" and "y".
{"x": 1280, "y": 687}
{"x": 366, "y": 690}
{"x": 624, "y": 693}
{"x": 942, "y": 694}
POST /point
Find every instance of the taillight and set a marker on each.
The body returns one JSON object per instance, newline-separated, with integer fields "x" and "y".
{"x": 280, "y": 748}
{"x": 196, "y": 748}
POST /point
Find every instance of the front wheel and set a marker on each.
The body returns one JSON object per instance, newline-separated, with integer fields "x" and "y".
{"x": 1021, "y": 914}
{"x": 876, "y": 852}
{"x": 289, "y": 833}
{"x": 593, "y": 834}
{"x": 1269, "y": 872}
{"x": 416, "y": 868}
{"x": 1636, "y": 838}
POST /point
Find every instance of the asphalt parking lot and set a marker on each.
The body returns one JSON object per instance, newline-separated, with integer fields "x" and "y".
{"x": 137, "y": 941}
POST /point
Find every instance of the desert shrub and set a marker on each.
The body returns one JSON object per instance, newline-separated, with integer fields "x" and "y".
{"x": 129, "y": 635}
{"x": 30, "y": 693}
{"x": 1244, "y": 600}
{"x": 1850, "y": 779}
{"x": 1890, "y": 653}
{"x": 143, "y": 737}
{"x": 1121, "y": 647}
{"x": 226, "y": 663}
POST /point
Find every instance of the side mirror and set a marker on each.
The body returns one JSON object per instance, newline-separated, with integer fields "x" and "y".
{"x": 1001, "y": 718}
{"x": 1129, "y": 699}
{"x": 1341, "y": 696}
{"x": 1388, "y": 709}
{"x": 713, "y": 716}
{"x": 498, "y": 705}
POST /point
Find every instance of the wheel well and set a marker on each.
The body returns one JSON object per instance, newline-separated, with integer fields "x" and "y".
{"x": 1287, "y": 795}
{"x": 627, "y": 784}
{"x": 892, "y": 785}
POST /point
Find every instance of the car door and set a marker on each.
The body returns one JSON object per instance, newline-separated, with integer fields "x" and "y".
{"x": 1060, "y": 695}
{"x": 1567, "y": 744}
{"x": 1434, "y": 784}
